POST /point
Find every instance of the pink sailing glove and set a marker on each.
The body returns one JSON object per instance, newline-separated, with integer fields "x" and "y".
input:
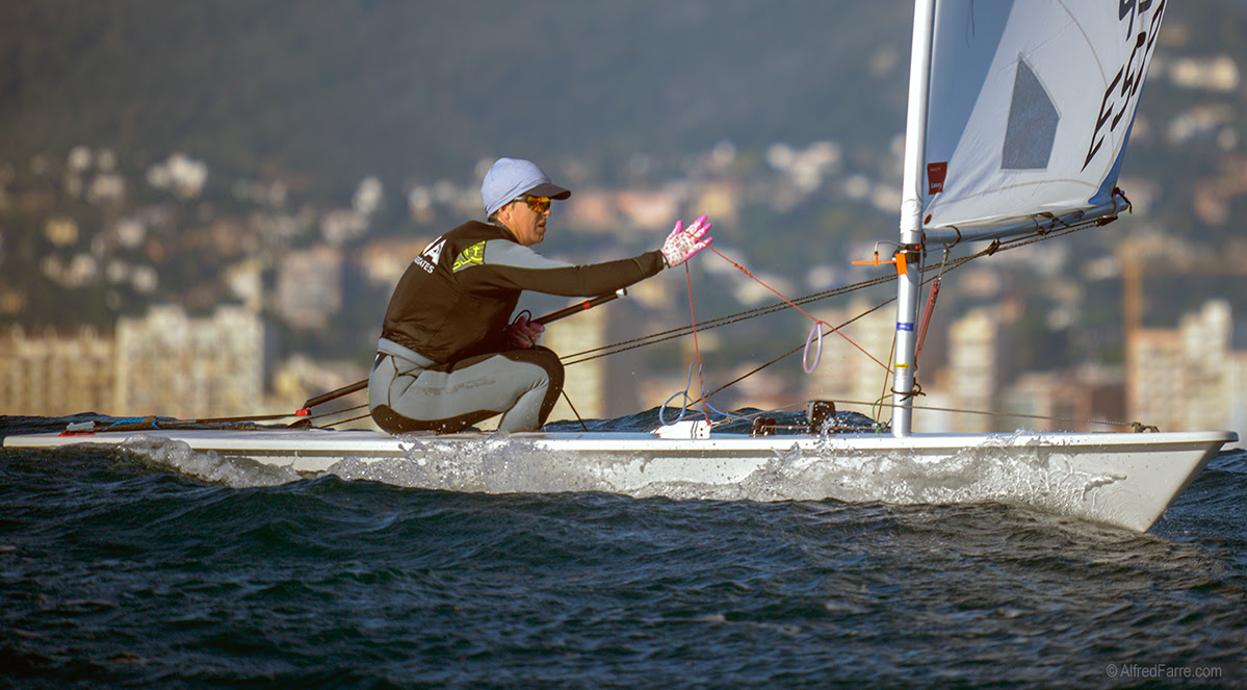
{"x": 522, "y": 334}
{"x": 683, "y": 243}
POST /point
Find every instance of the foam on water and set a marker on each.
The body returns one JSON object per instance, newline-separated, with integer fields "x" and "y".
{"x": 492, "y": 464}
{"x": 998, "y": 470}
{"x": 993, "y": 470}
{"x": 234, "y": 472}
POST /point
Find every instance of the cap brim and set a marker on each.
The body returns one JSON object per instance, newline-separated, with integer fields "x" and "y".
{"x": 551, "y": 190}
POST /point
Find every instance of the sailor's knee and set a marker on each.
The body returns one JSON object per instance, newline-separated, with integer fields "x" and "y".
{"x": 549, "y": 360}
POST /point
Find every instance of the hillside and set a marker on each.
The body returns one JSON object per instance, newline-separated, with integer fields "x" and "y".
{"x": 413, "y": 89}
{"x": 423, "y": 90}
{"x": 417, "y": 93}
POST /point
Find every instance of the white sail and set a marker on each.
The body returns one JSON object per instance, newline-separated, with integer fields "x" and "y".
{"x": 1031, "y": 104}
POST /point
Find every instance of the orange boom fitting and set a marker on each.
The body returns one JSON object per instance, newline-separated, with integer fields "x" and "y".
{"x": 902, "y": 266}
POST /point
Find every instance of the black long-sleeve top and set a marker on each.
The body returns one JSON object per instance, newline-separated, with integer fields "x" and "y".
{"x": 457, "y": 296}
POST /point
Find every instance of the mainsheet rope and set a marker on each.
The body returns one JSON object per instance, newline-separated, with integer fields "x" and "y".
{"x": 817, "y": 321}
{"x": 681, "y": 331}
{"x": 944, "y": 268}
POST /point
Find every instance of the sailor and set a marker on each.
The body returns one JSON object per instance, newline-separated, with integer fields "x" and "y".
{"x": 450, "y": 355}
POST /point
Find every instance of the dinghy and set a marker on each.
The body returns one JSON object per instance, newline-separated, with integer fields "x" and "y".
{"x": 1125, "y": 480}
{"x": 1019, "y": 114}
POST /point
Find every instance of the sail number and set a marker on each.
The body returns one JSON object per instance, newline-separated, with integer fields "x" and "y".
{"x": 1124, "y": 87}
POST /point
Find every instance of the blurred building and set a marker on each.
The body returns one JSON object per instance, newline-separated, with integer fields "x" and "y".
{"x": 245, "y": 281}
{"x": 168, "y": 363}
{"x": 384, "y": 261}
{"x": 845, "y": 373}
{"x": 1217, "y": 73}
{"x": 54, "y": 374}
{"x": 309, "y": 287}
{"x": 720, "y": 201}
{"x": 1190, "y": 377}
{"x": 593, "y": 210}
{"x": 299, "y": 377}
{"x": 1065, "y": 400}
{"x": 973, "y": 369}
{"x": 651, "y": 209}
{"x": 585, "y": 383}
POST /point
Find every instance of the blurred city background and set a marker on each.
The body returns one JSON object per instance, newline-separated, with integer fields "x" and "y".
{"x": 204, "y": 206}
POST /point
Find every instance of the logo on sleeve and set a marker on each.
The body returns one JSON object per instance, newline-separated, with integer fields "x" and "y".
{"x": 428, "y": 258}
{"x": 472, "y": 256}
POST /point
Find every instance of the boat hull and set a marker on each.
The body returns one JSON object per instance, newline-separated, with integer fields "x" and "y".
{"x": 1124, "y": 480}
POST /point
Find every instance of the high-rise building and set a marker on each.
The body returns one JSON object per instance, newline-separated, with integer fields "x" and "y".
{"x": 974, "y": 369}
{"x": 585, "y": 383}
{"x": 844, "y": 372}
{"x": 299, "y": 377}
{"x": 384, "y": 261}
{"x": 171, "y": 364}
{"x": 1071, "y": 400}
{"x": 309, "y": 287}
{"x": 53, "y": 374}
{"x": 1190, "y": 377}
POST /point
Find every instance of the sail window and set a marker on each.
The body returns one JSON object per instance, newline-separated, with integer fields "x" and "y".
{"x": 1032, "y": 123}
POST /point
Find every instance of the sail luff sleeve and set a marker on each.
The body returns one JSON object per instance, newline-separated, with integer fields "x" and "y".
{"x": 916, "y": 123}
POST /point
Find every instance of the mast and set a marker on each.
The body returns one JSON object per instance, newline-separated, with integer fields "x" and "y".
{"x": 908, "y": 282}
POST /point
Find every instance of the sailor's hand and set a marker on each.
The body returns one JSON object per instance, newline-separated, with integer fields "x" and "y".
{"x": 522, "y": 334}
{"x": 683, "y": 243}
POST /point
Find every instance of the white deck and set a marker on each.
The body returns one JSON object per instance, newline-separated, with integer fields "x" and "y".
{"x": 1126, "y": 480}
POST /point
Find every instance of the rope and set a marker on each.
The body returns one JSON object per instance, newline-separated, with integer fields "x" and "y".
{"x": 955, "y": 264}
{"x": 764, "y": 284}
{"x": 685, "y": 398}
{"x": 662, "y": 336}
{"x": 583, "y": 426}
{"x": 335, "y": 413}
{"x": 692, "y": 320}
{"x": 750, "y": 416}
{"x": 685, "y": 401}
{"x": 817, "y": 321}
{"x": 1072, "y": 420}
{"x": 795, "y": 350}
{"x": 884, "y": 393}
{"x": 345, "y": 421}
{"x": 914, "y": 392}
{"x": 681, "y": 331}
{"x": 1139, "y": 428}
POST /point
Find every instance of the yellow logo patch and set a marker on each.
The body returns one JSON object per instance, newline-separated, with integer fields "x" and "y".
{"x": 472, "y": 256}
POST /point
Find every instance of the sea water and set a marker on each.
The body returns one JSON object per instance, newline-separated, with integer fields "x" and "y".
{"x": 165, "y": 568}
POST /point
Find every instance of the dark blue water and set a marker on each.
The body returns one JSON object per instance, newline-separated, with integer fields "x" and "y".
{"x": 117, "y": 571}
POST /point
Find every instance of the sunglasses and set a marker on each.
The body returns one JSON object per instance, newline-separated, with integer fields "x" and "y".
{"x": 539, "y": 204}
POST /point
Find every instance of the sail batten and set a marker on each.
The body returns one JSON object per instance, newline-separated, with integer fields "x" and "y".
{"x": 1030, "y": 106}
